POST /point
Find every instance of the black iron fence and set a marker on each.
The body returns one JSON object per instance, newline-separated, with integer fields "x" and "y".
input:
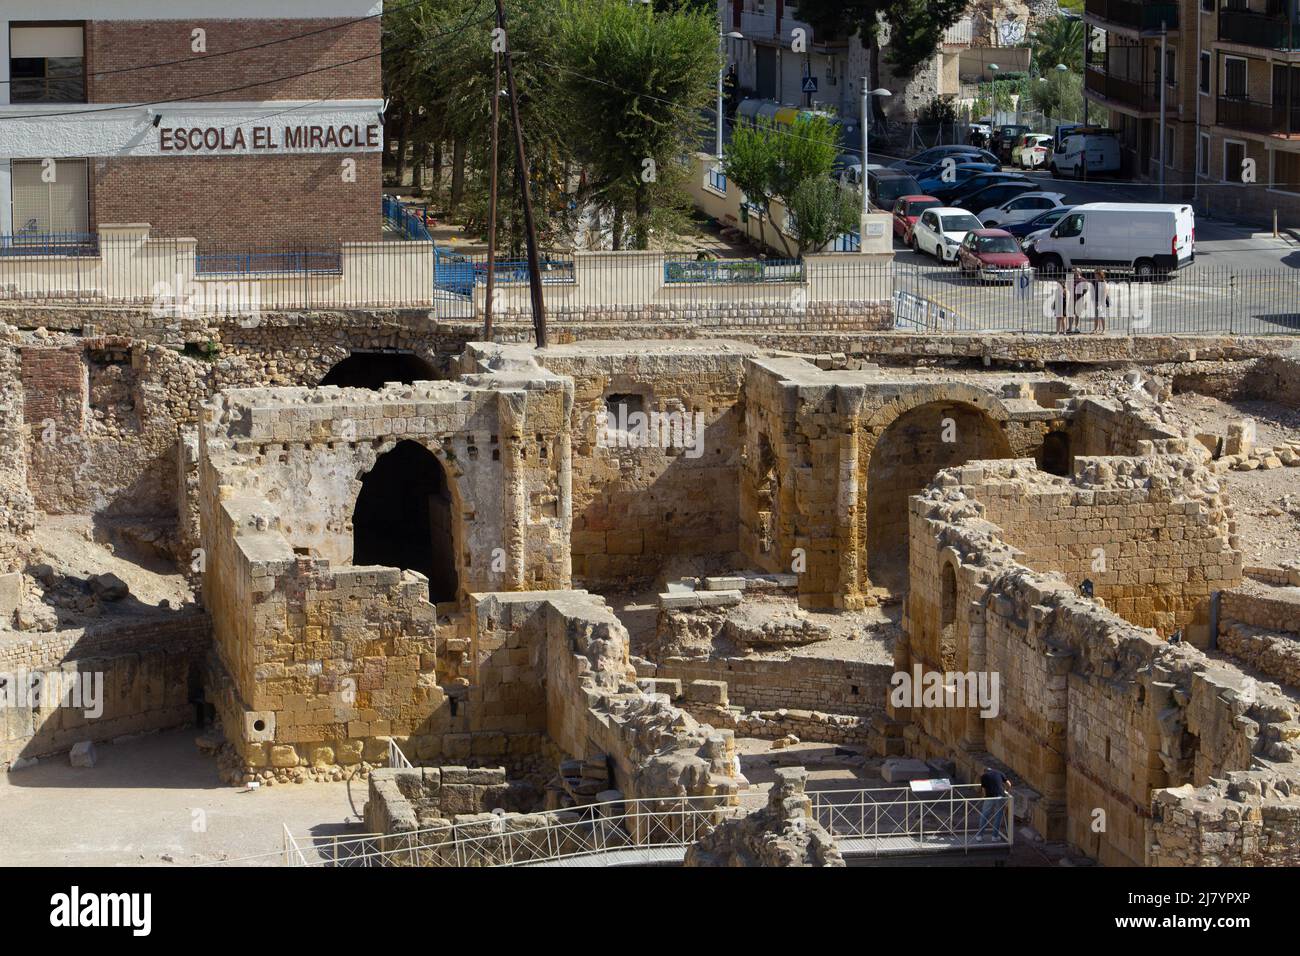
{"x": 831, "y": 292}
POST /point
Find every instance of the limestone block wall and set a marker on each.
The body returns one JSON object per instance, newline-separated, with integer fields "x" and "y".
{"x": 1102, "y": 426}
{"x": 811, "y": 437}
{"x": 1153, "y": 535}
{"x": 645, "y": 510}
{"x": 798, "y": 683}
{"x": 1095, "y": 715}
{"x": 592, "y": 703}
{"x": 101, "y": 416}
{"x": 145, "y": 671}
{"x": 1260, "y": 628}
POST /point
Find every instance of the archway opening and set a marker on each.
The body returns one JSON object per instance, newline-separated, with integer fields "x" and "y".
{"x": 403, "y": 518}
{"x": 909, "y": 453}
{"x": 1055, "y": 458}
{"x": 373, "y": 370}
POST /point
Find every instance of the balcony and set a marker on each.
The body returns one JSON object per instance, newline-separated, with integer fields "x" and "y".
{"x": 1258, "y": 117}
{"x": 1142, "y": 17}
{"x": 1270, "y": 31}
{"x": 1135, "y": 94}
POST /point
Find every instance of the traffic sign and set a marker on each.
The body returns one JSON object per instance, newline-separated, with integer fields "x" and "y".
{"x": 810, "y": 84}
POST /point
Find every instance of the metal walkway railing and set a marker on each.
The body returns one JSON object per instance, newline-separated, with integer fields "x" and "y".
{"x": 864, "y": 823}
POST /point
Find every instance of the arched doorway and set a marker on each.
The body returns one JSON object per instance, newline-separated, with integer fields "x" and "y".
{"x": 403, "y": 518}
{"x": 908, "y": 454}
{"x": 373, "y": 370}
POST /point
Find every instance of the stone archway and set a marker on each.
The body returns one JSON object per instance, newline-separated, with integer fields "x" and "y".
{"x": 373, "y": 369}
{"x": 404, "y": 518}
{"x": 1056, "y": 457}
{"x": 904, "y": 459}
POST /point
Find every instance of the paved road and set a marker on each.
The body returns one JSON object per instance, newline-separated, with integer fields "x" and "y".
{"x": 1243, "y": 282}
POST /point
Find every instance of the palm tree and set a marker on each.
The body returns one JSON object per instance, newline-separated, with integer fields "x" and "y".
{"x": 1059, "y": 40}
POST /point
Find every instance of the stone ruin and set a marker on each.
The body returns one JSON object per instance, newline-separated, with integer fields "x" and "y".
{"x": 440, "y": 567}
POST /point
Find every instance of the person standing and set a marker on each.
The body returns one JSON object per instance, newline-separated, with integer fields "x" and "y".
{"x": 995, "y": 786}
{"x": 1100, "y": 301}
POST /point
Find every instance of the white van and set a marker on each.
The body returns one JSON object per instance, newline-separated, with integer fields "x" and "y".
{"x": 1102, "y": 149}
{"x": 1148, "y": 238}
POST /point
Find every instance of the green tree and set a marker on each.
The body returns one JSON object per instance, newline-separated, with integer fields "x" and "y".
{"x": 1059, "y": 95}
{"x": 637, "y": 83}
{"x": 750, "y": 162}
{"x": 1058, "y": 40}
{"x": 822, "y": 211}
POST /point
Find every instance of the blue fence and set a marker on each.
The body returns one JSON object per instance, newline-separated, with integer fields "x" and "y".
{"x": 731, "y": 271}
{"x": 50, "y": 244}
{"x": 403, "y": 219}
{"x": 718, "y": 180}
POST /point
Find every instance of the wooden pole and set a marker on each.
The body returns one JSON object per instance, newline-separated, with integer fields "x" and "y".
{"x": 534, "y": 267}
{"x": 492, "y": 199}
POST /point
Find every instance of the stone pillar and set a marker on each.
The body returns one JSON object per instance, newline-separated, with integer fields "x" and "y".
{"x": 848, "y": 518}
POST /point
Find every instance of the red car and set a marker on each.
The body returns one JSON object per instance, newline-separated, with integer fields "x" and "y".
{"x": 908, "y": 209}
{"x": 993, "y": 255}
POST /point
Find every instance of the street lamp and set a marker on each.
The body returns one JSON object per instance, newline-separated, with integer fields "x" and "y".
{"x": 866, "y": 135}
{"x": 722, "y": 49}
{"x": 993, "y": 113}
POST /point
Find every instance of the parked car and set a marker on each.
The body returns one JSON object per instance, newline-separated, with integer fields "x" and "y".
{"x": 936, "y": 177}
{"x": 850, "y": 174}
{"x": 935, "y": 154}
{"x": 995, "y": 195}
{"x": 954, "y": 194}
{"x": 1149, "y": 238}
{"x": 1043, "y": 222}
{"x": 1022, "y": 207}
{"x": 907, "y": 209}
{"x": 940, "y": 231}
{"x": 884, "y": 186}
{"x": 992, "y": 254}
{"x": 1033, "y": 150}
{"x": 979, "y": 134}
{"x": 1005, "y": 139}
{"x": 1098, "y": 150}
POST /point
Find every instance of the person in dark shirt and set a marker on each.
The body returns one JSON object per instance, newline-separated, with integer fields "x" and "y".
{"x": 996, "y": 787}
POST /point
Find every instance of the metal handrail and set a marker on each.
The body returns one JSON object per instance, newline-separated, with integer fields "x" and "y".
{"x": 947, "y": 819}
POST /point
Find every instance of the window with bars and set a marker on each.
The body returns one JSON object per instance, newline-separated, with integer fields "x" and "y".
{"x": 50, "y": 197}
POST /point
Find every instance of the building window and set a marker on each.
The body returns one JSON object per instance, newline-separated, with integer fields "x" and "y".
{"x": 1207, "y": 6}
{"x": 1171, "y": 67}
{"x": 1170, "y": 143}
{"x": 47, "y": 64}
{"x": 1286, "y": 171}
{"x": 51, "y": 197}
{"x": 1234, "y": 158}
{"x": 1203, "y": 80}
{"x": 1203, "y": 156}
{"x": 1234, "y": 78}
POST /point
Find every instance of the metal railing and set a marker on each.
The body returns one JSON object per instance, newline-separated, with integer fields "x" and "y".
{"x": 732, "y": 270}
{"x": 1135, "y": 14}
{"x": 1270, "y": 31}
{"x": 407, "y": 221}
{"x": 863, "y": 822}
{"x": 1137, "y": 94}
{"x": 1257, "y": 117}
{"x": 396, "y": 758}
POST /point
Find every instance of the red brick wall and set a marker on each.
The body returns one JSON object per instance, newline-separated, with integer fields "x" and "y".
{"x": 55, "y": 385}
{"x": 246, "y": 201}
{"x": 121, "y": 44}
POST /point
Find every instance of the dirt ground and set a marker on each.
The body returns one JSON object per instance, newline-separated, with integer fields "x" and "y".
{"x": 156, "y": 801}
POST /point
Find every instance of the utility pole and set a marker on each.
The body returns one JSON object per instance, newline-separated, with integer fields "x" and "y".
{"x": 1164, "y": 65}
{"x": 492, "y": 196}
{"x": 530, "y": 229}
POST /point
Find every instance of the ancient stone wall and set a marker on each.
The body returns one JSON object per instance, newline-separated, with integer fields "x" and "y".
{"x": 658, "y": 500}
{"x": 145, "y": 671}
{"x": 1093, "y": 713}
{"x": 17, "y": 508}
{"x": 1153, "y": 536}
{"x": 1259, "y": 627}
{"x": 800, "y": 682}
{"x": 317, "y": 660}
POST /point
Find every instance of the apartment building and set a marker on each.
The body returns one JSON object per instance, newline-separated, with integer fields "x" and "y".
{"x": 781, "y": 58}
{"x": 242, "y": 122}
{"x": 1231, "y": 98}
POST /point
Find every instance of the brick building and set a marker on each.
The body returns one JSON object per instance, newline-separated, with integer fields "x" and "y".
{"x": 260, "y": 128}
{"x": 1231, "y": 85}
